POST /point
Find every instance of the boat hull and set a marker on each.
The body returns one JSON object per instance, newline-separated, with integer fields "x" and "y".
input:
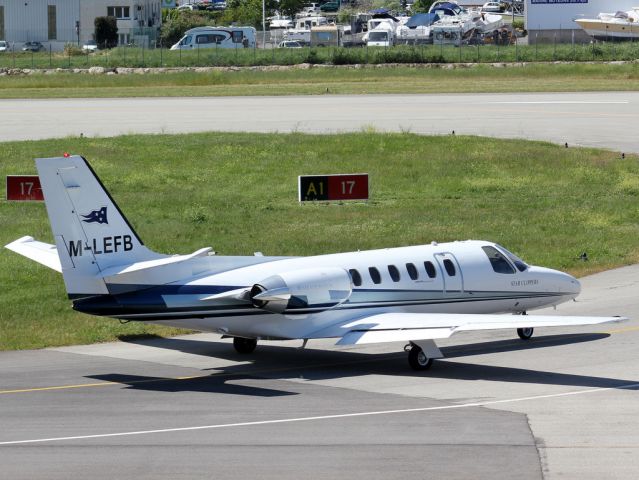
{"x": 601, "y": 30}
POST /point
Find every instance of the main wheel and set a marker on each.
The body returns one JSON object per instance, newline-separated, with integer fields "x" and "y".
{"x": 417, "y": 359}
{"x": 525, "y": 333}
{"x": 244, "y": 345}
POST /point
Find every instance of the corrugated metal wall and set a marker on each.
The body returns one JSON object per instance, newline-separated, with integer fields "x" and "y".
{"x": 28, "y": 20}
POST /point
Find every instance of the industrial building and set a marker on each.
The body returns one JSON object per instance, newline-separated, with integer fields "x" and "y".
{"x": 553, "y": 20}
{"x": 55, "y": 23}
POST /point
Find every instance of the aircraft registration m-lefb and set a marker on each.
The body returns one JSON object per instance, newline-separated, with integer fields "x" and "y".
{"x": 411, "y": 294}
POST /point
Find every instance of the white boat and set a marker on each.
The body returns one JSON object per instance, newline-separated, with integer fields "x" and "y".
{"x": 612, "y": 26}
{"x": 279, "y": 21}
{"x": 457, "y": 24}
{"x": 418, "y": 29}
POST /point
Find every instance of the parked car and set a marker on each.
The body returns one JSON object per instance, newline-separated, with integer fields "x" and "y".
{"x": 32, "y": 47}
{"x": 186, "y": 7}
{"x": 90, "y": 46}
{"x": 289, "y": 44}
{"x": 310, "y": 9}
{"x": 329, "y": 7}
{"x": 4, "y": 46}
{"x": 492, "y": 7}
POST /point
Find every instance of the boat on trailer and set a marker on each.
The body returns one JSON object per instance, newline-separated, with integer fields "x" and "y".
{"x": 616, "y": 26}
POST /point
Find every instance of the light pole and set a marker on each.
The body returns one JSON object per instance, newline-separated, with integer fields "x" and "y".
{"x": 263, "y": 23}
{"x": 77, "y": 24}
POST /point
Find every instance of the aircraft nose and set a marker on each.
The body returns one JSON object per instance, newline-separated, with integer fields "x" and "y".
{"x": 570, "y": 284}
{"x": 559, "y": 281}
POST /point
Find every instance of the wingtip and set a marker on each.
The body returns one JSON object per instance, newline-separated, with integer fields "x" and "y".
{"x": 20, "y": 240}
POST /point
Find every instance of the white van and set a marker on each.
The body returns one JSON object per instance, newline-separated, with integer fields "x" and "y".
{"x": 217, "y": 37}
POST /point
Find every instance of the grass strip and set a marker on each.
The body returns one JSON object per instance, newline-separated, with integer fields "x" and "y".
{"x": 321, "y": 80}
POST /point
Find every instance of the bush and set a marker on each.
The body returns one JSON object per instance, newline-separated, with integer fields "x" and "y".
{"x": 72, "y": 50}
{"x": 518, "y": 24}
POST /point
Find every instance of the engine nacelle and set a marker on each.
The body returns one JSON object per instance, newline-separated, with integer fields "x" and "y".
{"x": 302, "y": 291}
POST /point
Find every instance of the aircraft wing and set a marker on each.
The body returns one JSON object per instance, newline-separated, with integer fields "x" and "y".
{"x": 406, "y": 327}
{"x": 41, "y": 252}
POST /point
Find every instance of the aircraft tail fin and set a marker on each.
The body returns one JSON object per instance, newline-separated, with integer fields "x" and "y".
{"x": 91, "y": 233}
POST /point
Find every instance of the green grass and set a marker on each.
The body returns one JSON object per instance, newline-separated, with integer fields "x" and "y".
{"x": 319, "y": 80}
{"x": 237, "y": 193}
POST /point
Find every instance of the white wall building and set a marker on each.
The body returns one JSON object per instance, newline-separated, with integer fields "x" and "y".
{"x": 551, "y": 20}
{"x": 57, "y": 22}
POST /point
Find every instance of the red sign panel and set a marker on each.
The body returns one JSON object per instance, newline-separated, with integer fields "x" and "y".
{"x": 333, "y": 187}
{"x": 24, "y": 188}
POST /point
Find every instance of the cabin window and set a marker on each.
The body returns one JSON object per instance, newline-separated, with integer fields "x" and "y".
{"x": 519, "y": 263}
{"x": 412, "y": 271}
{"x": 375, "y": 276}
{"x": 237, "y": 36}
{"x": 498, "y": 261}
{"x": 209, "y": 38}
{"x": 394, "y": 273}
{"x": 430, "y": 269}
{"x": 185, "y": 41}
{"x": 450, "y": 267}
{"x": 356, "y": 277}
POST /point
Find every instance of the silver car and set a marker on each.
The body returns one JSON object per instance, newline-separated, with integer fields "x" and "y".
{"x": 4, "y": 46}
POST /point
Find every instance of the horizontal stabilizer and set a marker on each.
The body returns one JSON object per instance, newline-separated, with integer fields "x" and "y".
{"x": 41, "y": 252}
{"x": 406, "y": 327}
{"x": 121, "y": 272}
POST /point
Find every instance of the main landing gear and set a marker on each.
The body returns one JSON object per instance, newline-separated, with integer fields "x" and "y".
{"x": 244, "y": 345}
{"x": 420, "y": 356}
{"x": 417, "y": 359}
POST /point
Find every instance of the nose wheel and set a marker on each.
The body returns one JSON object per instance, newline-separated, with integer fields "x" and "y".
{"x": 525, "y": 333}
{"x": 417, "y": 358}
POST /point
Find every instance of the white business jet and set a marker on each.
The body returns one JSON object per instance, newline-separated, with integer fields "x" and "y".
{"x": 409, "y": 294}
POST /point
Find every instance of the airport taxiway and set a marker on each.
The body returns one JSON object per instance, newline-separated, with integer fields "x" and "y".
{"x": 599, "y": 119}
{"x": 563, "y": 405}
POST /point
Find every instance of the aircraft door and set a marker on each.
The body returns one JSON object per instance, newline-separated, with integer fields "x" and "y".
{"x": 451, "y": 273}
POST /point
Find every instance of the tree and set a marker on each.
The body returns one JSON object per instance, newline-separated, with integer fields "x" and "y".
{"x": 106, "y": 31}
{"x": 421, "y": 6}
{"x": 176, "y": 25}
{"x": 247, "y": 12}
{"x": 291, "y": 7}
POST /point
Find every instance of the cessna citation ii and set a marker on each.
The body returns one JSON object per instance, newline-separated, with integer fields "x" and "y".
{"x": 409, "y": 294}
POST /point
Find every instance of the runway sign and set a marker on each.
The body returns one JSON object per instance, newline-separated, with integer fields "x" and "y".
{"x": 333, "y": 187}
{"x": 24, "y": 188}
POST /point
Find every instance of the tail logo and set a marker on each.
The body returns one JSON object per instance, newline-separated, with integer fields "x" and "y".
{"x": 99, "y": 216}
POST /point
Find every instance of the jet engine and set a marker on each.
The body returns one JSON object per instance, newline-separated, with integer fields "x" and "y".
{"x": 299, "y": 291}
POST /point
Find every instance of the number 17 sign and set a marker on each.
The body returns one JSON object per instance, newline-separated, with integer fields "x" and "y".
{"x": 333, "y": 187}
{"x": 24, "y": 188}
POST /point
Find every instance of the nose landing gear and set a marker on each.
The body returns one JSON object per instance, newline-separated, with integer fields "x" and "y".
{"x": 525, "y": 333}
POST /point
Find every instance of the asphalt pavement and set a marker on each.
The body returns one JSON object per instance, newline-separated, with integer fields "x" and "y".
{"x": 562, "y": 405}
{"x": 598, "y": 119}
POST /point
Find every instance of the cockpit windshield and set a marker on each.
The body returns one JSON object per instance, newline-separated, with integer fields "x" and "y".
{"x": 519, "y": 263}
